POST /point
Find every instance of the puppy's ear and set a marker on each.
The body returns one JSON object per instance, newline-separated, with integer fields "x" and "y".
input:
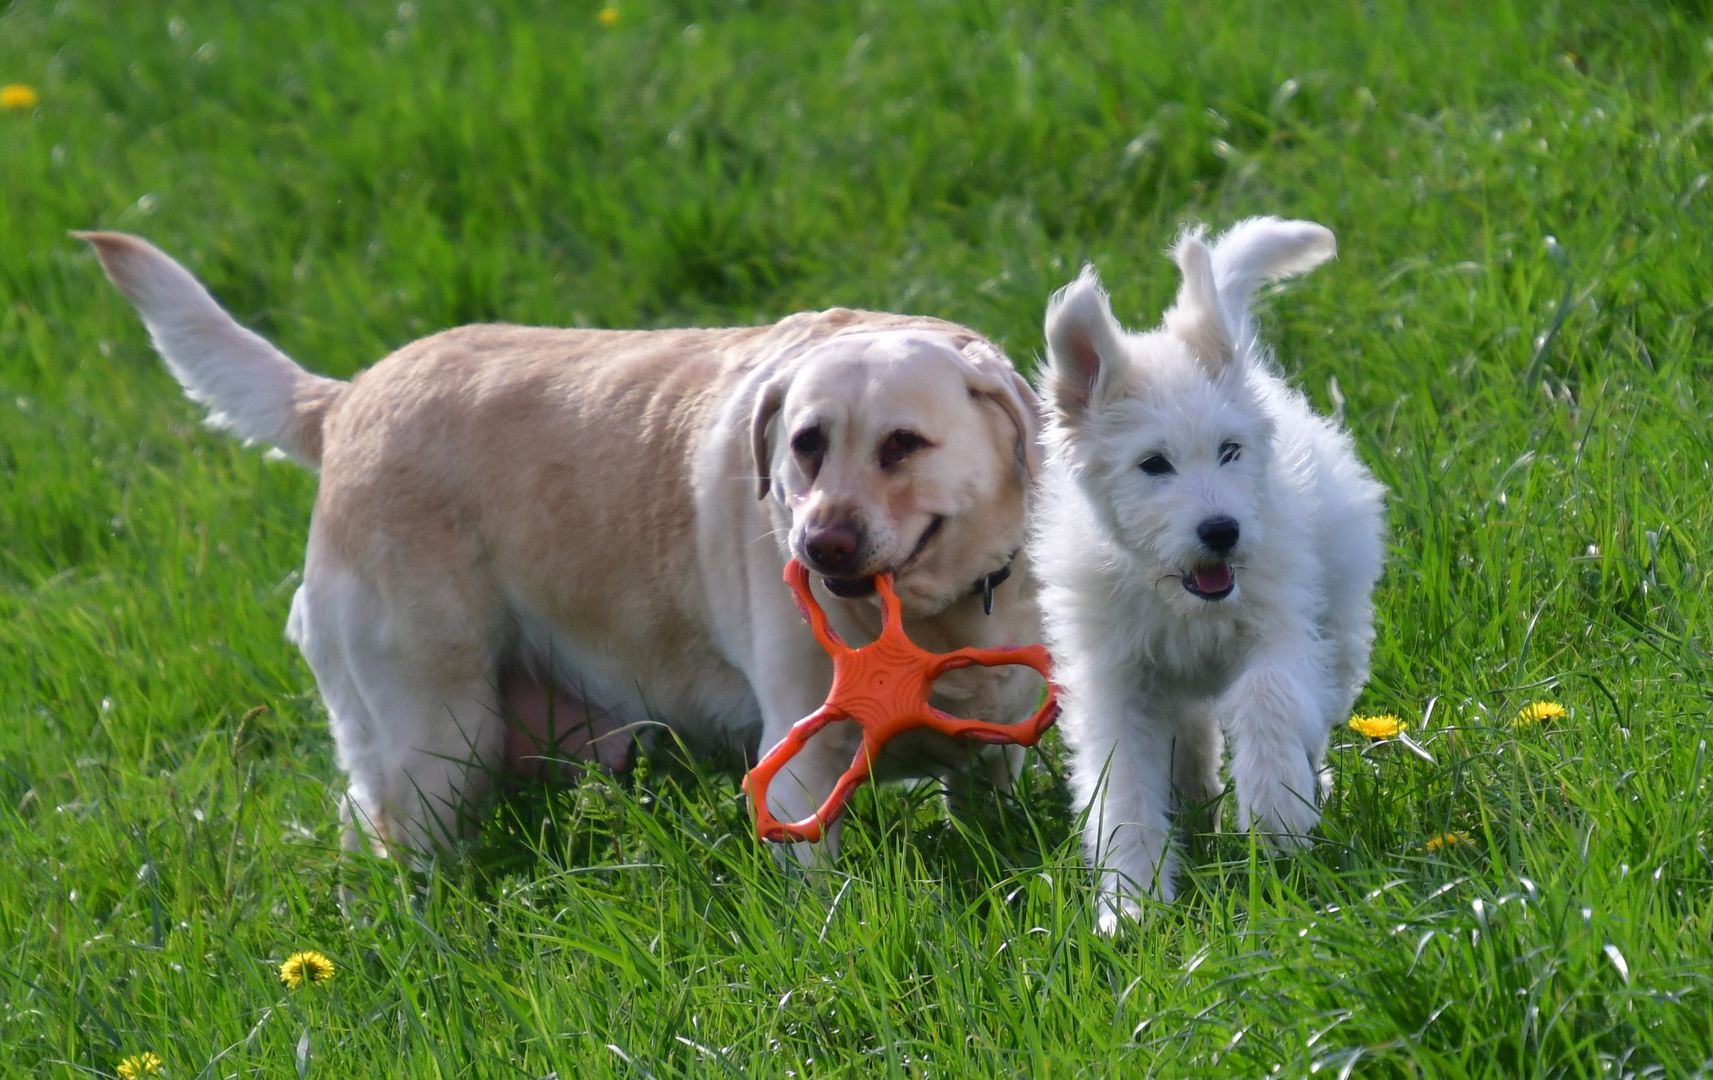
{"x": 1085, "y": 348}
{"x": 1196, "y": 318}
{"x": 993, "y": 377}
{"x": 1264, "y": 249}
{"x": 1211, "y": 316}
{"x": 767, "y": 404}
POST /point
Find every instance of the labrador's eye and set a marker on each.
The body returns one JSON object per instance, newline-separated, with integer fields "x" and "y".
{"x": 810, "y": 446}
{"x": 808, "y": 443}
{"x": 1229, "y": 452}
{"x": 1157, "y": 465}
{"x": 900, "y": 445}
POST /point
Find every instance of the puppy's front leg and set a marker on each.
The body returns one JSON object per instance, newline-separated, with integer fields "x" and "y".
{"x": 1278, "y": 713}
{"x": 1121, "y": 777}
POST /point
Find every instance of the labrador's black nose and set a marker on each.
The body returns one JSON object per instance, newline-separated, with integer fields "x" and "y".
{"x": 832, "y": 548}
{"x": 1218, "y": 533}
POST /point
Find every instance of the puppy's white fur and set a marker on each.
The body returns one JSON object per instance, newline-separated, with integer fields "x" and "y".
{"x": 511, "y": 517}
{"x": 1155, "y": 674}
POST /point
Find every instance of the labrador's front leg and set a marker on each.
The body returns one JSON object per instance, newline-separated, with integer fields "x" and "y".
{"x": 791, "y": 677}
{"x": 803, "y": 784}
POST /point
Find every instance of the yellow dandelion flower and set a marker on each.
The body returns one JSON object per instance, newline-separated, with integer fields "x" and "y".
{"x": 306, "y": 967}
{"x": 609, "y": 16}
{"x": 18, "y": 96}
{"x": 148, "y": 1063}
{"x": 1537, "y": 712}
{"x": 1385, "y": 726}
{"x": 1445, "y": 840}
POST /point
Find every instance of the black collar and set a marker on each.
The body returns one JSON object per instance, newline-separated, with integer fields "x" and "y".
{"x": 985, "y": 584}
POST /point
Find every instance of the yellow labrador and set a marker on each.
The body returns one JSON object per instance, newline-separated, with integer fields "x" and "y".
{"x": 531, "y": 544}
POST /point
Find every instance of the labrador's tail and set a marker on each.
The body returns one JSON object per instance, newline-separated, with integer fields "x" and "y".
{"x": 249, "y": 387}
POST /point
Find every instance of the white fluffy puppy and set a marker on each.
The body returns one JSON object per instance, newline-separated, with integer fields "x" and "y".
{"x": 1207, "y": 548}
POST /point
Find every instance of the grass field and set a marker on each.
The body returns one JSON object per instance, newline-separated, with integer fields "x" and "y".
{"x": 1517, "y": 330}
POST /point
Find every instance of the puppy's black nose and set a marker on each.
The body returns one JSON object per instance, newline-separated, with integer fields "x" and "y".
{"x": 832, "y": 548}
{"x": 1218, "y": 533}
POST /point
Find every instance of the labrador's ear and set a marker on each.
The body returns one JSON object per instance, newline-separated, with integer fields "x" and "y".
{"x": 767, "y": 404}
{"x": 994, "y": 377}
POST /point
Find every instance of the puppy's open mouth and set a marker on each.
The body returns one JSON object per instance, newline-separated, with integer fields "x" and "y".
{"x": 857, "y": 588}
{"x": 1211, "y": 582}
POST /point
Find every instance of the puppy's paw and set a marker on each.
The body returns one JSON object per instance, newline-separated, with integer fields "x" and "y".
{"x": 1280, "y": 799}
{"x": 1115, "y": 913}
{"x": 1121, "y": 890}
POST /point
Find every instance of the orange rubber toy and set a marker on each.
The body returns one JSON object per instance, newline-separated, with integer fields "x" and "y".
{"x": 884, "y": 688}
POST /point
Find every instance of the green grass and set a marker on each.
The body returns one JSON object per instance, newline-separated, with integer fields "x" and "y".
{"x": 348, "y": 178}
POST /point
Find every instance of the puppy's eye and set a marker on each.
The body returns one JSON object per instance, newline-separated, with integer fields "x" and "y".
{"x": 1157, "y": 465}
{"x": 900, "y": 445}
{"x": 809, "y": 443}
{"x": 1229, "y": 452}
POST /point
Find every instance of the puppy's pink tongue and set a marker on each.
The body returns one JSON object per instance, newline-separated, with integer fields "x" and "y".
{"x": 1213, "y": 579}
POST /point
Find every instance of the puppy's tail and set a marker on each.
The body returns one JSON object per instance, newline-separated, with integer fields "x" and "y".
{"x": 1212, "y": 311}
{"x": 250, "y": 388}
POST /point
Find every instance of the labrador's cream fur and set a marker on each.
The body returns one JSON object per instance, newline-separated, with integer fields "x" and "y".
{"x": 518, "y": 514}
